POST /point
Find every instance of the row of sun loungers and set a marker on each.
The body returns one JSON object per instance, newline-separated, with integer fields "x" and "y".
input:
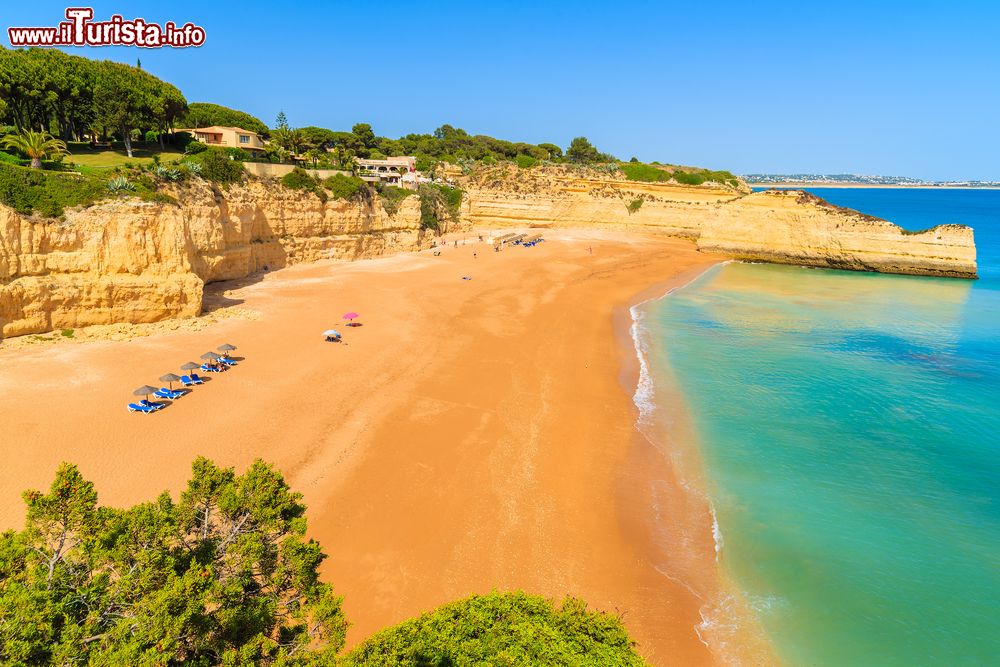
{"x": 215, "y": 363}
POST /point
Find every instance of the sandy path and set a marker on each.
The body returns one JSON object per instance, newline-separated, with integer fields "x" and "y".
{"x": 471, "y": 435}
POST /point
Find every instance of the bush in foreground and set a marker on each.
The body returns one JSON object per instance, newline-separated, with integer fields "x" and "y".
{"x": 221, "y": 576}
{"x": 225, "y": 576}
{"x": 502, "y": 629}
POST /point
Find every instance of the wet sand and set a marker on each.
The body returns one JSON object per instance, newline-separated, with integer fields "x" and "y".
{"x": 471, "y": 435}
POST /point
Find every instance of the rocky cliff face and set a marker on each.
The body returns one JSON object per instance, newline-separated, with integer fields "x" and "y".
{"x": 788, "y": 227}
{"x": 135, "y": 262}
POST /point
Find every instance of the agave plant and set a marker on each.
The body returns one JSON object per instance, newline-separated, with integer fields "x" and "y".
{"x": 120, "y": 184}
{"x": 166, "y": 173}
{"x": 193, "y": 167}
{"x": 36, "y": 145}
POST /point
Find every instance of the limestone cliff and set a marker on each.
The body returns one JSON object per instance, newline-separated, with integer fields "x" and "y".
{"x": 789, "y": 227}
{"x": 132, "y": 261}
{"x": 135, "y": 262}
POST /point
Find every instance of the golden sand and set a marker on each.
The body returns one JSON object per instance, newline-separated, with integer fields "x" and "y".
{"x": 471, "y": 435}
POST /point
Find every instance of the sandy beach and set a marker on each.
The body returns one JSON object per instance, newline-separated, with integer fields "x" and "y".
{"x": 470, "y": 435}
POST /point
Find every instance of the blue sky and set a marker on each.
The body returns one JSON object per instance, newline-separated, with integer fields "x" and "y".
{"x": 901, "y": 88}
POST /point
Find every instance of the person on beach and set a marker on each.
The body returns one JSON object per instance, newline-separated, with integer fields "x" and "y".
{"x": 473, "y": 254}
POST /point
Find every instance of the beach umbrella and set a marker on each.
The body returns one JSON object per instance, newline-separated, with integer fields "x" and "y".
{"x": 190, "y": 366}
{"x": 210, "y": 355}
{"x": 226, "y": 348}
{"x": 350, "y": 316}
{"x": 171, "y": 378}
{"x": 331, "y": 333}
{"x": 144, "y": 390}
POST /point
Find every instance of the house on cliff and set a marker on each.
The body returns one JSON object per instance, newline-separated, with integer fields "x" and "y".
{"x": 227, "y": 137}
{"x": 399, "y": 171}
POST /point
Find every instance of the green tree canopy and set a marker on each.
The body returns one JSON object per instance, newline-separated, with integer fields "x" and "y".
{"x": 223, "y": 575}
{"x": 502, "y": 629}
{"x": 554, "y": 152}
{"x": 281, "y": 121}
{"x": 51, "y": 91}
{"x": 581, "y": 150}
{"x": 365, "y": 134}
{"x": 320, "y": 137}
{"x": 203, "y": 114}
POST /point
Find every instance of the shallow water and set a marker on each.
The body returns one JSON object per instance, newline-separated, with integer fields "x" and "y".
{"x": 850, "y": 432}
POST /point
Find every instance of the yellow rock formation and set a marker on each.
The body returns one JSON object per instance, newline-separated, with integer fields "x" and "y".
{"x": 137, "y": 262}
{"x": 788, "y": 227}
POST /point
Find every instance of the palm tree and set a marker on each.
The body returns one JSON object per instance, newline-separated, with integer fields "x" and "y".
{"x": 35, "y": 145}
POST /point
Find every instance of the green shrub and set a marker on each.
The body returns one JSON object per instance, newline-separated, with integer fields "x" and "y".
{"x": 158, "y": 197}
{"x": 151, "y": 136}
{"x": 525, "y": 161}
{"x": 66, "y": 333}
{"x": 634, "y": 206}
{"x": 190, "y": 167}
{"x": 217, "y": 167}
{"x": 47, "y": 193}
{"x": 342, "y": 186}
{"x": 181, "y": 140}
{"x": 298, "y": 179}
{"x": 434, "y": 197}
{"x": 502, "y": 629}
{"x": 194, "y": 147}
{"x": 637, "y": 171}
{"x": 237, "y": 154}
{"x": 156, "y": 585}
{"x": 426, "y": 162}
{"x": 391, "y": 198}
{"x": 7, "y": 158}
{"x": 689, "y": 177}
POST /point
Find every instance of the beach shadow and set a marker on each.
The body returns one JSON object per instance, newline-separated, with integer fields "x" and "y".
{"x": 266, "y": 255}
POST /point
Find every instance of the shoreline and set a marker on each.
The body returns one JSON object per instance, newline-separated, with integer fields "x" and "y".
{"x": 729, "y": 628}
{"x": 494, "y": 448}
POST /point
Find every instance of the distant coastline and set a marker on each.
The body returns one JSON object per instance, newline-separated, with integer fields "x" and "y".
{"x": 794, "y": 185}
{"x": 806, "y": 180}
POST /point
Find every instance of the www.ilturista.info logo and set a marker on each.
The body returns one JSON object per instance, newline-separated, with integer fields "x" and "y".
{"x": 80, "y": 30}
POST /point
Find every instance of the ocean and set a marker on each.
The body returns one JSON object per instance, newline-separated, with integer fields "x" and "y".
{"x": 849, "y": 435}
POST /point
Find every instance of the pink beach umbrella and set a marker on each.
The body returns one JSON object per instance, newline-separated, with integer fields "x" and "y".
{"x": 350, "y": 316}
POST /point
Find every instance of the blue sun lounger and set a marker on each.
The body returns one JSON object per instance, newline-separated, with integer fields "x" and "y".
{"x": 135, "y": 407}
{"x": 228, "y": 362}
{"x": 188, "y": 381}
{"x": 169, "y": 394}
{"x": 150, "y": 404}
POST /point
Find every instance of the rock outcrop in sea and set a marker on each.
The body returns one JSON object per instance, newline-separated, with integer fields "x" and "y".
{"x": 777, "y": 226}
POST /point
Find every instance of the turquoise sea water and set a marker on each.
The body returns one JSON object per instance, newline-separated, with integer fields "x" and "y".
{"x": 850, "y": 433}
